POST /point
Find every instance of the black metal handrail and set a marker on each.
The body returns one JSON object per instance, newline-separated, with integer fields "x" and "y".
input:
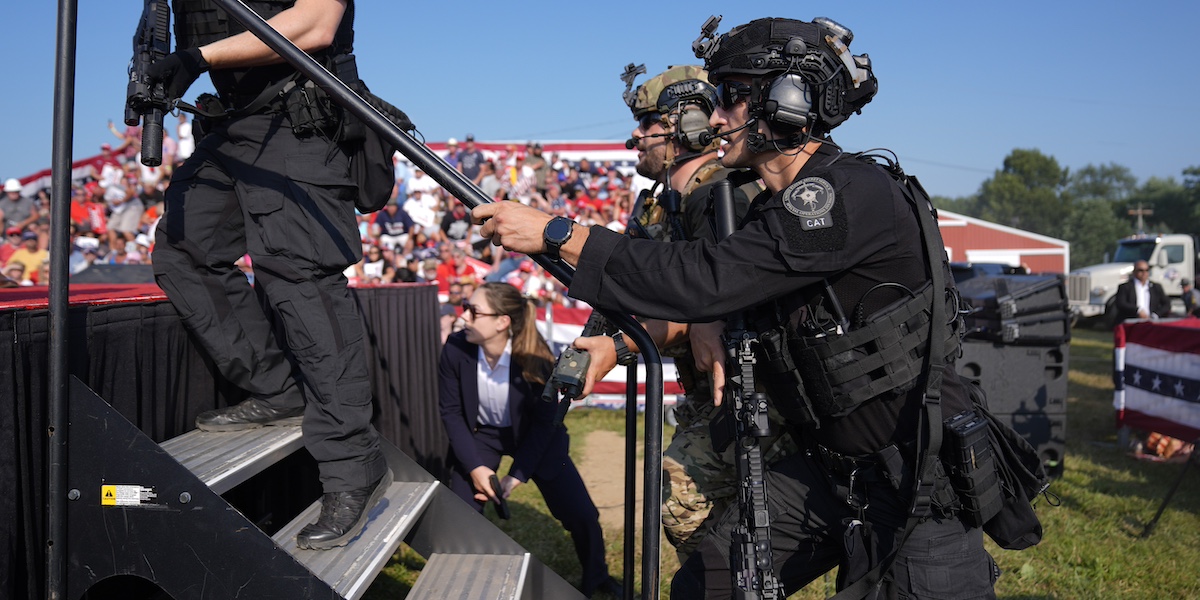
{"x": 60, "y": 244}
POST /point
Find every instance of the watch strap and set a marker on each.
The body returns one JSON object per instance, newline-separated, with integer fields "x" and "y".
{"x": 625, "y": 356}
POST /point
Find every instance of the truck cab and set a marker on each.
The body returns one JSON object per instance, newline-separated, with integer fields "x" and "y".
{"x": 1171, "y": 257}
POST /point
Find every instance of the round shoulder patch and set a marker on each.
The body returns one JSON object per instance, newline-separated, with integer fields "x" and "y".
{"x": 811, "y": 199}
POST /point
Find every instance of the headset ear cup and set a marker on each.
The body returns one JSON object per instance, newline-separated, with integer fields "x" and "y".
{"x": 788, "y": 105}
{"x": 692, "y": 127}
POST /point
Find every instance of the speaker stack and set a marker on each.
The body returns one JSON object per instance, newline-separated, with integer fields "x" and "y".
{"x": 1016, "y": 347}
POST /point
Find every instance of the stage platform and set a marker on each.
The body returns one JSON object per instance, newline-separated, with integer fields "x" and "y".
{"x": 127, "y": 344}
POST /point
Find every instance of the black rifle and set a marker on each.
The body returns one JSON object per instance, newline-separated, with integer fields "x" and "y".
{"x": 567, "y": 380}
{"x": 570, "y": 372}
{"x": 146, "y": 101}
{"x": 750, "y": 551}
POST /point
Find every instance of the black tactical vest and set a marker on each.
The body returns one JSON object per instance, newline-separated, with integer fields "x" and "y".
{"x": 200, "y": 22}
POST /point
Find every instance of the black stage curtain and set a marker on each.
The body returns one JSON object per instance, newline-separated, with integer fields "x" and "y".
{"x": 138, "y": 357}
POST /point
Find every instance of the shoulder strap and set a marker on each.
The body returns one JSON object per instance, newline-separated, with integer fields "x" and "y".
{"x": 930, "y": 426}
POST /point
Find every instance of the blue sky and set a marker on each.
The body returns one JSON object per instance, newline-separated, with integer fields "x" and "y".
{"x": 961, "y": 83}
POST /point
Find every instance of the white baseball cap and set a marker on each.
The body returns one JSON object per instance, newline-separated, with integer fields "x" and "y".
{"x": 12, "y": 185}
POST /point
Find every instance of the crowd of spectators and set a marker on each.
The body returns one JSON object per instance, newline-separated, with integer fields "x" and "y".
{"x": 423, "y": 234}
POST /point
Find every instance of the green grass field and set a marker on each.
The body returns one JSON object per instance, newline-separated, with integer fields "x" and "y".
{"x": 1091, "y": 547}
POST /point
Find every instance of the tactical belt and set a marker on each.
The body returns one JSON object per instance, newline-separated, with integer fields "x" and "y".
{"x": 840, "y": 464}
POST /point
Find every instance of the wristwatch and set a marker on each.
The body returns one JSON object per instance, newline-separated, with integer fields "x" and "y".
{"x": 625, "y": 357}
{"x": 558, "y": 231}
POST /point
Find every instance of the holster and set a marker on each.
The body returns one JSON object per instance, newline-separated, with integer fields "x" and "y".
{"x": 310, "y": 110}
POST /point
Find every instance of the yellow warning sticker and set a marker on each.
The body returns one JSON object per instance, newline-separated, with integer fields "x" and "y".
{"x": 126, "y": 495}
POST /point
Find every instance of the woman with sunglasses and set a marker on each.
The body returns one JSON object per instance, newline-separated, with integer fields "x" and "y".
{"x": 491, "y": 376}
{"x": 374, "y": 266}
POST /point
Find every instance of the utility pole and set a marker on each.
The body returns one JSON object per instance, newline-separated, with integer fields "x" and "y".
{"x": 1141, "y": 212}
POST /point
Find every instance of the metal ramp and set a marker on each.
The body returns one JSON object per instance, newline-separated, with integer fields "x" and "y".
{"x": 155, "y": 512}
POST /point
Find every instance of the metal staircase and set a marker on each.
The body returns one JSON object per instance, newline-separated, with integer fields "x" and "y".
{"x": 137, "y": 508}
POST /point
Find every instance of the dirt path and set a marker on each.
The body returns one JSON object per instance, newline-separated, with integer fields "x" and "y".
{"x": 603, "y": 469}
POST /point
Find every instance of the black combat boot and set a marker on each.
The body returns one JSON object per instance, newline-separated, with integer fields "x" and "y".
{"x": 343, "y": 515}
{"x": 248, "y": 415}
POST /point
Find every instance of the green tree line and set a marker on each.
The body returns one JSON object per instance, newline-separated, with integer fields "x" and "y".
{"x": 1090, "y": 207}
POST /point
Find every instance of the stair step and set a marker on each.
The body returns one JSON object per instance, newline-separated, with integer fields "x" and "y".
{"x": 222, "y": 460}
{"x": 349, "y": 570}
{"x": 471, "y": 577}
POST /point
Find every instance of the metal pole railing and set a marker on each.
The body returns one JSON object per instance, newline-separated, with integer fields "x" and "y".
{"x": 60, "y": 243}
{"x": 470, "y": 195}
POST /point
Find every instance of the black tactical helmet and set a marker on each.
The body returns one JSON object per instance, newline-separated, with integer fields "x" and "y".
{"x": 818, "y": 52}
{"x": 664, "y": 92}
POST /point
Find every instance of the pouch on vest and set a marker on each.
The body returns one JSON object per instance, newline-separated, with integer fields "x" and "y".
{"x": 1022, "y": 479}
{"x": 969, "y": 456}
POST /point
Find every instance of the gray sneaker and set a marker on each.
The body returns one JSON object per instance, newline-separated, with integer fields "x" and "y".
{"x": 250, "y": 414}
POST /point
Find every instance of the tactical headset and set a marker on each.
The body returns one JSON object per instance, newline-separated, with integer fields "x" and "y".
{"x": 803, "y": 76}
{"x": 685, "y": 105}
{"x": 690, "y": 114}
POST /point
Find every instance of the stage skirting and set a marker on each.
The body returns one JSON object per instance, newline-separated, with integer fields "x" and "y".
{"x": 127, "y": 344}
{"x": 1156, "y": 376}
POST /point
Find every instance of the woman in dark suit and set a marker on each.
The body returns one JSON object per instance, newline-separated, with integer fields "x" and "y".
{"x": 491, "y": 376}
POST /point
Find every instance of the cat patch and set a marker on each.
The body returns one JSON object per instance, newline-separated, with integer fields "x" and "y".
{"x": 810, "y": 200}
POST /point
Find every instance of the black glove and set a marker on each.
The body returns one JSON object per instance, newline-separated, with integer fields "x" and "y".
{"x": 178, "y": 70}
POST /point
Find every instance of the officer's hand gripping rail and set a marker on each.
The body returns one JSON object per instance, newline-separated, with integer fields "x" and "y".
{"x": 146, "y": 101}
{"x": 470, "y": 195}
{"x": 750, "y": 546}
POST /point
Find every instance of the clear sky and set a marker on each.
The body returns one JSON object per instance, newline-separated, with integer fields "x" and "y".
{"x": 961, "y": 83}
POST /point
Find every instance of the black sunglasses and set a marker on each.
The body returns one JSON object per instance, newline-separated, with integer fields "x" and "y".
{"x": 729, "y": 93}
{"x": 648, "y": 120}
{"x": 469, "y": 309}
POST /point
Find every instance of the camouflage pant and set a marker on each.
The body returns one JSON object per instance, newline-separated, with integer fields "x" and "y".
{"x": 698, "y": 481}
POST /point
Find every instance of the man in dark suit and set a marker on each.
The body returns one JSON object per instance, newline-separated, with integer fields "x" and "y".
{"x": 1140, "y": 298}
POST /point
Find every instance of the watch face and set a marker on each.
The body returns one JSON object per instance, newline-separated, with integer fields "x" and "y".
{"x": 558, "y": 230}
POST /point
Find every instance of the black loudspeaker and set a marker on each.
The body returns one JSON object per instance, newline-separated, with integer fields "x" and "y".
{"x": 1047, "y": 433}
{"x": 102, "y": 273}
{"x": 1018, "y": 379}
{"x": 1026, "y": 387}
{"x": 1017, "y": 309}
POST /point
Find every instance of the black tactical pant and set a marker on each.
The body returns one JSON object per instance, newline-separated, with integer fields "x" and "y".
{"x": 810, "y": 534}
{"x": 253, "y": 187}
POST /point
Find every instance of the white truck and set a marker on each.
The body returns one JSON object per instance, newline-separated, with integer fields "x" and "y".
{"x": 1172, "y": 257}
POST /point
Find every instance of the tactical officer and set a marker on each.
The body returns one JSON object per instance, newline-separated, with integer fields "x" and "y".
{"x": 677, "y": 149}
{"x": 270, "y": 182}
{"x": 835, "y": 260}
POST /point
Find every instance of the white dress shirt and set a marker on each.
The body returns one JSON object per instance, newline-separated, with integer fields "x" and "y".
{"x": 493, "y": 389}
{"x": 1142, "y": 291}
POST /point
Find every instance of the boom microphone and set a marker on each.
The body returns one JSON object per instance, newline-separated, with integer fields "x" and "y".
{"x": 707, "y": 138}
{"x": 632, "y": 142}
